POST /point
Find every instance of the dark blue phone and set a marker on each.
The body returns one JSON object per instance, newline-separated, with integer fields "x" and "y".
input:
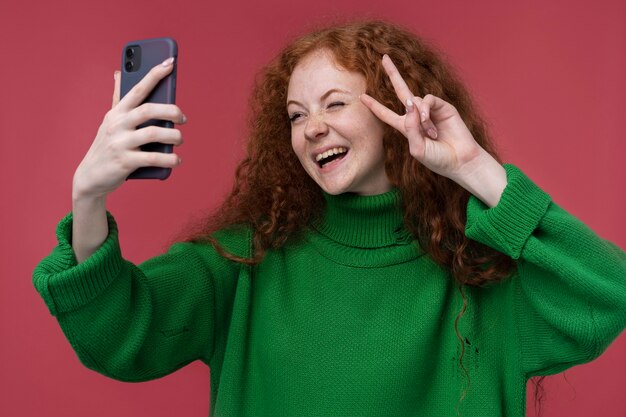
{"x": 138, "y": 58}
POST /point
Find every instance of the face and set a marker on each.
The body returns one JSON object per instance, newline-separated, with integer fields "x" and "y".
{"x": 338, "y": 141}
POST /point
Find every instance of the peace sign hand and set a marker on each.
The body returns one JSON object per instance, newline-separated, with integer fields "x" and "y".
{"x": 437, "y": 135}
{"x": 439, "y": 139}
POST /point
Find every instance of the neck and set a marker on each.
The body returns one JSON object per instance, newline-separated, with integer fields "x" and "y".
{"x": 364, "y": 221}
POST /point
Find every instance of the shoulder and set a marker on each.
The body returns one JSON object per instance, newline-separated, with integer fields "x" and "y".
{"x": 235, "y": 239}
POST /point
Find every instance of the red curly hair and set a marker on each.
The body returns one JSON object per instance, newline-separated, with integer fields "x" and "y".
{"x": 277, "y": 199}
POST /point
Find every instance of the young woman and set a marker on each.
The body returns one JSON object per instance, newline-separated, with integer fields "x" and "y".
{"x": 374, "y": 257}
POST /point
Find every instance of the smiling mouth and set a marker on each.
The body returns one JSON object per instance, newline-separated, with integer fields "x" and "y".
{"x": 330, "y": 155}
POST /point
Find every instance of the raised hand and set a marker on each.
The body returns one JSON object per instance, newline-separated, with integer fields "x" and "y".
{"x": 115, "y": 152}
{"x": 440, "y": 140}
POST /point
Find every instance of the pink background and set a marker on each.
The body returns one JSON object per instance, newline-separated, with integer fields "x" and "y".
{"x": 549, "y": 78}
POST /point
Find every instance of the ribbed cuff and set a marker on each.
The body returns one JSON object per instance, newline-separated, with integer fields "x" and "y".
{"x": 507, "y": 226}
{"x": 66, "y": 285}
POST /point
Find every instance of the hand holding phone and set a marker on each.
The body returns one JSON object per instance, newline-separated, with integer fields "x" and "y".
{"x": 138, "y": 57}
{"x": 115, "y": 152}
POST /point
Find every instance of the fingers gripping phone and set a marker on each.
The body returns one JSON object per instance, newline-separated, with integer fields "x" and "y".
{"x": 138, "y": 58}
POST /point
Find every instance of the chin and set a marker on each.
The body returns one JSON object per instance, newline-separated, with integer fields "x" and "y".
{"x": 334, "y": 192}
{"x": 334, "y": 189}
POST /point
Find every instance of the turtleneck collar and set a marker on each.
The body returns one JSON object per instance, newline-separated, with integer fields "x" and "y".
{"x": 364, "y": 221}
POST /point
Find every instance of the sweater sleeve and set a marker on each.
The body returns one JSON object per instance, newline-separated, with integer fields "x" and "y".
{"x": 569, "y": 291}
{"x": 132, "y": 323}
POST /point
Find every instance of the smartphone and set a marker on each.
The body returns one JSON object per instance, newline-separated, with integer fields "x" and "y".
{"x": 138, "y": 58}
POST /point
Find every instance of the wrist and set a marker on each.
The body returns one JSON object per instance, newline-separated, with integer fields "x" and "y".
{"x": 84, "y": 194}
{"x": 84, "y": 201}
{"x": 483, "y": 177}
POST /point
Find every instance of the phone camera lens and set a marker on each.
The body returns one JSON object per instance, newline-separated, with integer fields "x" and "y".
{"x": 130, "y": 52}
{"x": 129, "y": 66}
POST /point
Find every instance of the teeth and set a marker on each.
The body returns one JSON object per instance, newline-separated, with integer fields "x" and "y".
{"x": 330, "y": 152}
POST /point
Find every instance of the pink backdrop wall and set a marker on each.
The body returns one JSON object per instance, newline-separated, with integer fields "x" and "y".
{"x": 550, "y": 78}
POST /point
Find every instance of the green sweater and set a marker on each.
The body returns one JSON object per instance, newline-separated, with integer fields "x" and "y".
{"x": 353, "y": 319}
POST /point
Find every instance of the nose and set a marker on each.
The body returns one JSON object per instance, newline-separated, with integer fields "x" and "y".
{"x": 316, "y": 127}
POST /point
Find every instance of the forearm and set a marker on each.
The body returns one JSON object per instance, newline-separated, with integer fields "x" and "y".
{"x": 127, "y": 321}
{"x": 89, "y": 225}
{"x": 571, "y": 290}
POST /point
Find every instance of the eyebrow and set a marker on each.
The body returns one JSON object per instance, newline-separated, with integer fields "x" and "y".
{"x": 323, "y": 97}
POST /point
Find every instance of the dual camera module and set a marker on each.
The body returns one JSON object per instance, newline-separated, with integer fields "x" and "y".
{"x": 132, "y": 58}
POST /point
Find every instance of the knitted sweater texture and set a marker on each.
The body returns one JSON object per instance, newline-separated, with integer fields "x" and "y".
{"x": 352, "y": 319}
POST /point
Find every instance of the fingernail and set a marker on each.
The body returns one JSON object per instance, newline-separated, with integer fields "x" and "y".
{"x": 169, "y": 61}
{"x": 423, "y": 116}
{"x": 432, "y": 133}
{"x": 184, "y": 119}
{"x": 179, "y": 160}
{"x": 409, "y": 105}
{"x": 115, "y": 74}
